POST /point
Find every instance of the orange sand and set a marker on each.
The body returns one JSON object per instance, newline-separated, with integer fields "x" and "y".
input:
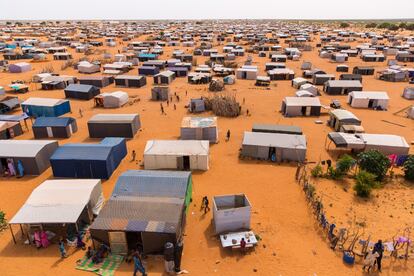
{"x": 291, "y": 242}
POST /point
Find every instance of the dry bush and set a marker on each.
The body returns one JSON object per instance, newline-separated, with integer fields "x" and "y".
{"x": 68, "y": 63}
{"x": 223, "y": 105}
{"x": 47, "y": 69}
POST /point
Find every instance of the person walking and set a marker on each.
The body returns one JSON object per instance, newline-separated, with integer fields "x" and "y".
{"x": 138, "y": 264}
{"x": 178, "y": 252}
{"x": 378, "y": 248}
{"x": 62, "y": 249}
{"x": 228, "y": 135}
{"x": 162, "y": 109}
{"x": 205, "y": 205}
{"x": 81, "y": 112}
{"x": 134, "y": 155}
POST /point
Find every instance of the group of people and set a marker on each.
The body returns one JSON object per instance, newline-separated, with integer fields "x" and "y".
{"x": 10, "y": 169}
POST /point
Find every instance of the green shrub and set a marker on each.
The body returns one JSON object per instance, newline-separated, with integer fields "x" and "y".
{"x": 345, "y": 163}
{"x": 409, "y": 168}
{"x": 317, "y": 171}
{"x": 365, "y": 182}
{"x": 374, "y": 162}
{"x": 335, "y": 174}
{"x": 371, "y": 25}
{"x": 344, "y": 25}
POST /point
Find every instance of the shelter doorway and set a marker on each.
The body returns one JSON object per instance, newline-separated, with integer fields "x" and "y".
{"x": 370, "y": 103}
{"x": 306, "y": 110}
{"x": 118, "y": 242}
{"x": 272, "y": 154}
{"x": 134, "y": 240}
{"x": 186, "y": 163}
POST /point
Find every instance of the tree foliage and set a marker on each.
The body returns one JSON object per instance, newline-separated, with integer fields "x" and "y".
{"x": 409, "y": 168}
{"x": 374, "y": 162}
{"x": 365, "y": 182}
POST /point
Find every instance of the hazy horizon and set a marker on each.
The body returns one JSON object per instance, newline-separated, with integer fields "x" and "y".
{"x": 211, "y": 9}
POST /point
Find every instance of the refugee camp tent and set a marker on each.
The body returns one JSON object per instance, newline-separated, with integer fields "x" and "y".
{"x": 8, "y": 103}
{"x": 298, "y": 82}
{"x": 88, "y": 68}
{"x": 177, "y": 154}
{"x": 385, "y": 143}
{"x": 20, "y": 67}
{"x": 56, "y": 127}
{"x": 45, "y": 107}
{"x": 301, "y": 106}
{"x": 247, "y": 72}
{"x": 410, "y": 112}
{"x": 310, "y": 88}
{"x": 34, "y": 154}
{"x": 89, "y": 160}
{"x": 126, "y": 222}
{"x": 114, "y": 125}
{"x": 81, "y": 91}
{"x": 9, "y": 130}
{"x": 231, "y": 213}
{"x": 197, "y": 105}
{"x": 408, "y": 93}
{"x": 160, "y": 93}
{"x": 369, "y": 99}
{"x": 130, "y": 81}
{"x": 320, "y": 79}
{"x": 157, "y": 184}
{"x": 165, "y": 77}
{"x": 363, "y": 70}
{"x": 199, "y": 128}
{"x": 98, "y": 81}
{"x": 148, "y": 70}
{"x": 277, "y": 147}
{"x": 341, "y": 87}
{"x": 60, "y": 206}
{"x": 281, "y": 74}
{"x": 341, "y": 117}
{"x": 271, "y": 128}
{"x": 57, "y": 82}
{"x": 112, "y": 99}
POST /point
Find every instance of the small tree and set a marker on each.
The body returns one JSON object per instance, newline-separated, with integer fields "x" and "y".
{"x": 371, "y": 25}
{"x": 344, "y": 25}
{"x": 345, "y": 163}
{"x": 317, "y": 171}
{"x": 409, "y": 168}
{"x": 365, "y": 182}
{"x": 374, "y": 162}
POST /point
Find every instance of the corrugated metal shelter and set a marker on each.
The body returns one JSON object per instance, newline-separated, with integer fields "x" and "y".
{"x": 199, "y": 128}
{"x": 81, "y": 91}
{"x": 148, "y": 183}
{"x": 160, "y": 93}
{"x": 34, "y": 154}
{"x": 148, "y": 222}
{"x": 114, "y": 125}
{"x": 369, "y": 99}
{"x": 89, "y": 160}
{"x": 98, "y": 81}
{"x": 276, "y": 147}
{"x": 20, "y": 67}
{"x": 176, "y": 154}
{"x": 56, "y": 127}
{"x": 45, "y": 107}
{"x": 231, "y": 213}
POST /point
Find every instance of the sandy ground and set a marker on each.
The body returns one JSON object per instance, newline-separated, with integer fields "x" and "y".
{"x": 292, "y": 244}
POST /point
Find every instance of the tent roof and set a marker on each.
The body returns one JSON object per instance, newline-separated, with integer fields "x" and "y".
{"x": 43, "y": 101}
{"x": 290, "y": 141}
{"x": 343, "y": 114}
{"x": 22, "y": 148}
{"x": 56, "y": 201}
{"x": 144, "y": 214}
{"x": 277, "y": 128}
{"x": 302, "y": 101}
{"x": 148, "y": 183}
{"x": 199, "y": 122}
{"x": 379, "y": 95}
{"x": 53, "y": 121}
{"x": 344, "y": 83}
{"x": 177, "y": 147}
{"x": 113, "y": 118}
{"x": 85, "y": 88}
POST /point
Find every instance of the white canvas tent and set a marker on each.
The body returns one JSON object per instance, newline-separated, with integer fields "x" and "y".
{"x": 368, "y": 99}
{"x": 115, "y": 99}
{"x": 177, "y": 154}
{"x": 408, "y": 93}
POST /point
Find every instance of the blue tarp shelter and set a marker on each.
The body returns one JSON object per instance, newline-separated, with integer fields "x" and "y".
{"x": 45, "y": 107}
{"x": 89, "y": 160}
